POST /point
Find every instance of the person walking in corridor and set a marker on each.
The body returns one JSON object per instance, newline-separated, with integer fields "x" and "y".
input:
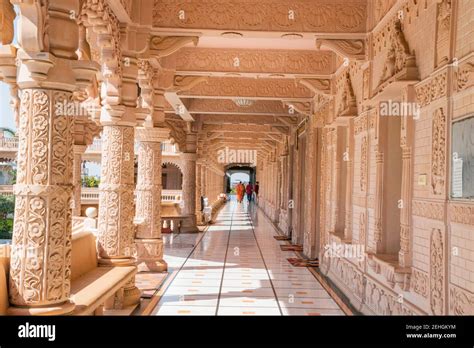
{"x": 249, "y": 191}
{"x": 240, "y": 190}
{"x": 255, "y": 189}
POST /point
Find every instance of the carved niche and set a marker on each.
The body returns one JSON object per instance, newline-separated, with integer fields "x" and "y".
{"x": 437, "y": 272}
{"x": 438, "y": 152}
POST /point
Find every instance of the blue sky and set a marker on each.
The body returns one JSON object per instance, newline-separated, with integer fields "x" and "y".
{"x": 6, "y": 114}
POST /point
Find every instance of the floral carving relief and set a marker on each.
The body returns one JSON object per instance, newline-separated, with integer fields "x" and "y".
{"x": 432, "y": 90}
{"x": 437, "y": 280}
{"x": 116, "y": 193}
{"x": 41, "y": 245}
{"x": 465, "y": 76}
{"x": 461, "y": 302}
{"x": 419, "y": 283}
{"x": 438, "y": 152}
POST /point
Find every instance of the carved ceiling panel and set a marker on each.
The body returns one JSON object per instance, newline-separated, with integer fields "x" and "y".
{"x": 227, "y": 106}
{"x": 323, "y": 16}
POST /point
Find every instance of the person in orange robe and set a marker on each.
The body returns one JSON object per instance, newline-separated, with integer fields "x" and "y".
{"x": 240, "y": 189}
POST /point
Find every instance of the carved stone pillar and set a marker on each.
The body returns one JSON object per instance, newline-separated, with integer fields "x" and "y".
{"x": 199, "y": 194}
{"x": 116, "y": 208}
{"x": 77, "y": 179}
{"x": 148, "y": 241}
{"x": 40, "y": 263}
{"x": 189, "y": 192}
{"x": 40, "y": 272}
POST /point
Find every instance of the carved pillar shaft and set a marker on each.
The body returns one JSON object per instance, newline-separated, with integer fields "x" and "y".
{"x": 379, "y": 160}
{"x": 77, "y": 179}
{"x": 148, "y": 241}
{"x": 40, "y": 272}
{"x": 199, "y": 194}
{"x": 116, "y": 229}
{"x": 189, "y": 192}
{"x": 405, "y": 212}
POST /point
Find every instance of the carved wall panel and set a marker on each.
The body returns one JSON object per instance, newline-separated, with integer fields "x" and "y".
{"x": 461, "y": 302}
{"x": 420, "y": 283}
{"x": 432, "y": 90}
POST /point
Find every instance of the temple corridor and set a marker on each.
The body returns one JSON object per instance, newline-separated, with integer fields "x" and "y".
{"x": 237, "y": 268}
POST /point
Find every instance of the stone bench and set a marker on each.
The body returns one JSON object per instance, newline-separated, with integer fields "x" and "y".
{"x": 91, "y": 286}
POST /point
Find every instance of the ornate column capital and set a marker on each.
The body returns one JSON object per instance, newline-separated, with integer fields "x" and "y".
{"x": 155, "y": 135}
{"x": 188, "y": 156}
{"x": 79, "y": 149}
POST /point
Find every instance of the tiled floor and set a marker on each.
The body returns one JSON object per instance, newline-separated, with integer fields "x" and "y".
{"x": 237, "y": 268}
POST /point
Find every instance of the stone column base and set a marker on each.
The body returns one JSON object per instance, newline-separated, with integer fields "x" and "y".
{"x": 189, "y": 225}
{"x": 57, "y": 309}
{"x": 129, "y": 295}
{"x": 150, "y": 255}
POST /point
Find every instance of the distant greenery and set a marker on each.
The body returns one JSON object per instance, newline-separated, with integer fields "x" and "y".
{"x": 90, "y": 181}
{"x": 12, "y": 174}
{"x": 7, "y": 208}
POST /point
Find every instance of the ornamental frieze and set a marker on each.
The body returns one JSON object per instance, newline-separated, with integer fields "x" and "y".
{"x": 461, "y": 213}
{"x": 248, "y": 87}
{"x": 432, "y": 90}
{"x": 430, "y": 210}
{"x": 263, "y": 15}
{"x": 253, "y": 61}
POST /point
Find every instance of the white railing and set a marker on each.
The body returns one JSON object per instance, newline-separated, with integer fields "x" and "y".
{"x": 91, "y": 194}
{"x": 9, "y": 144}
{"x": 6, "y": 190}
{"x": 169, "y": 149}
{"x": 96, "y": 146}
{"x": 171, "y": 196}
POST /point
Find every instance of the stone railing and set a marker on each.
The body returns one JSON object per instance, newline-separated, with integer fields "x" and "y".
{"x": 171, "y": 196}
{"x": 169, "y": 149}
{"x": 95, "y": 147}
{"x": 90, "y": 195}
{"x": 9, "y": 144}
{"x": 6, "y": 190}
